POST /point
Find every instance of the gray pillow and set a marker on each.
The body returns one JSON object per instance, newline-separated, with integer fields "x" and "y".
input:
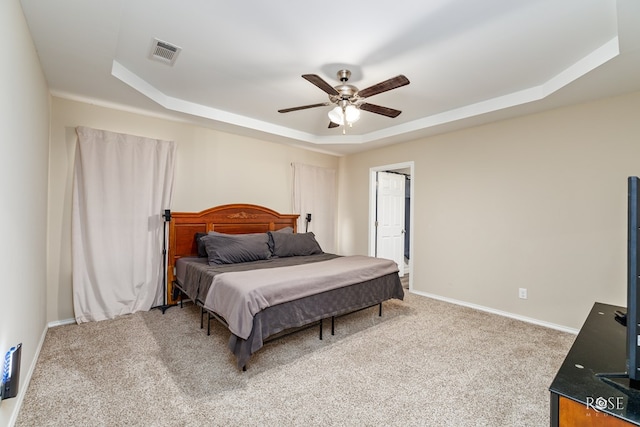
{"x": 287, "y": 230}
{"x": 202, "y": 250}
{"x": 300, "y": 244}
{"x": 234, "y": 248}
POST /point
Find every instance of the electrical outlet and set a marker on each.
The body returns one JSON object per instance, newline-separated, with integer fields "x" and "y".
{"x": 522, "y": 293}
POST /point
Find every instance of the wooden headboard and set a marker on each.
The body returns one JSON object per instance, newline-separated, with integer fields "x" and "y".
{"x": 230, "y": 219}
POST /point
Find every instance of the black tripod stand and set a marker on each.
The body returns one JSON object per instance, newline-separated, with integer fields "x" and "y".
{"x": 164, "y": 307}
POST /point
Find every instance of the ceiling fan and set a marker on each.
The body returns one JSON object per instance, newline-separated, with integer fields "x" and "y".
{"x": 349, "y": 100}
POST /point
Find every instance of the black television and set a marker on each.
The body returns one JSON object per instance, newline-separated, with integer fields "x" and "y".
{"x": 633, "y": 293}
{"x": 630, "y": 319}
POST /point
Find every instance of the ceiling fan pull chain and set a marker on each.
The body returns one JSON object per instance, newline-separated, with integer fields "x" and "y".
{"x": 344, "y": 119}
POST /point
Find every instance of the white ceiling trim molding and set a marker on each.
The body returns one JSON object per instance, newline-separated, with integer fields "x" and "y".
{"x": 603, "y": 54}
{"x": 123, "y": 74}
{"x": 580, "y": 68}
{"x": 595, "y": 59}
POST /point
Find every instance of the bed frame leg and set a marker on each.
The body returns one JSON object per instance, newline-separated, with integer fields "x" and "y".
{"x": 321, "y": 328}
{"x": 176, "y": 293}
{"x": 208, "y": 323}
{"x": 380, "y": 310}
{"x": 201, "y": 317}
{"x": 333, "y": 323}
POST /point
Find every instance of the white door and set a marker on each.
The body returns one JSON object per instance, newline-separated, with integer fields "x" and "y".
{"x": 390, "y": 218}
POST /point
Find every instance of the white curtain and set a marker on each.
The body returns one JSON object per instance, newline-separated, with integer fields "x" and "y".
{"x": 122, "y": 184}
{"x": 314, "y": 192}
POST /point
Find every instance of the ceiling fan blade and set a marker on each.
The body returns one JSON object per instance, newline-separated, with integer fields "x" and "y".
{"x": 385, "y": 111}
{"x": 317, "y": 80}
{"x": 303, "y": 107}
{"x": 332, "y": 125}
{"x": 392, "y": 83}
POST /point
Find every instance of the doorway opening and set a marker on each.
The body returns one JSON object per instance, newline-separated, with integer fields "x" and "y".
{"x": 391, "y": 219}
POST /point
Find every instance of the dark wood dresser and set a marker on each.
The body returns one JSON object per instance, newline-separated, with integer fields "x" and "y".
{"x": 587, "y": 390}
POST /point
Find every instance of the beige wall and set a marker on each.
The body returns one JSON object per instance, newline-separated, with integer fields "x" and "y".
{"x": 537, "y": 202}
{"x": 212, "y": 168}
{"x": 24, "y": 141}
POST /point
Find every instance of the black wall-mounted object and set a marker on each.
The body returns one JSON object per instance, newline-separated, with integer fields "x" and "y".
{"x": 306, "y": 222}
{"x": 11, "y": 373}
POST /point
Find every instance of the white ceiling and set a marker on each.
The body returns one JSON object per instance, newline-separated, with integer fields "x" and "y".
{"x": 469, "y": 61}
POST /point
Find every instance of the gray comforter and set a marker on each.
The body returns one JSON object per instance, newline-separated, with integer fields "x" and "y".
{"x": 238, "y": 296}
{"x": 195, "y": 275}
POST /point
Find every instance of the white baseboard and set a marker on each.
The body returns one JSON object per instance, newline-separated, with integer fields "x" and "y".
{"x": 26, "y": 379}
{"x": 60, "y": 323}
{"x": 499, "y": 312}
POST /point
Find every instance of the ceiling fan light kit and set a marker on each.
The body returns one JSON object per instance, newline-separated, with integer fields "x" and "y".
{"x": 348, "y": 100}
{"x": 351, "y": 114}
{"x": 336, "y": 116}
{"x": 342, "y": 115}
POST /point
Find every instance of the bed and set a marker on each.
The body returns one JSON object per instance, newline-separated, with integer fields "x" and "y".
{"x": 292, "y": 286}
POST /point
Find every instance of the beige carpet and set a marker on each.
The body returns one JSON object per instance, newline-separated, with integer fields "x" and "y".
{"x": 423, "y": 363}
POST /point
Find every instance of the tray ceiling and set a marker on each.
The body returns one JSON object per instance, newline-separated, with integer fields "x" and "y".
{"x": 469, "y": 62}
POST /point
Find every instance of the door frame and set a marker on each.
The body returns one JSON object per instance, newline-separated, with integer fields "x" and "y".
{"x": 373, "y": 208}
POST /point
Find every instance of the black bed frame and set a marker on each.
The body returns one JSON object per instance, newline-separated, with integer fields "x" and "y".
{"x": 179, "y": 294}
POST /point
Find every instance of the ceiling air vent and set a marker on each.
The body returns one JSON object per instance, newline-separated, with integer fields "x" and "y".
{"x": 164, "y": 52}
